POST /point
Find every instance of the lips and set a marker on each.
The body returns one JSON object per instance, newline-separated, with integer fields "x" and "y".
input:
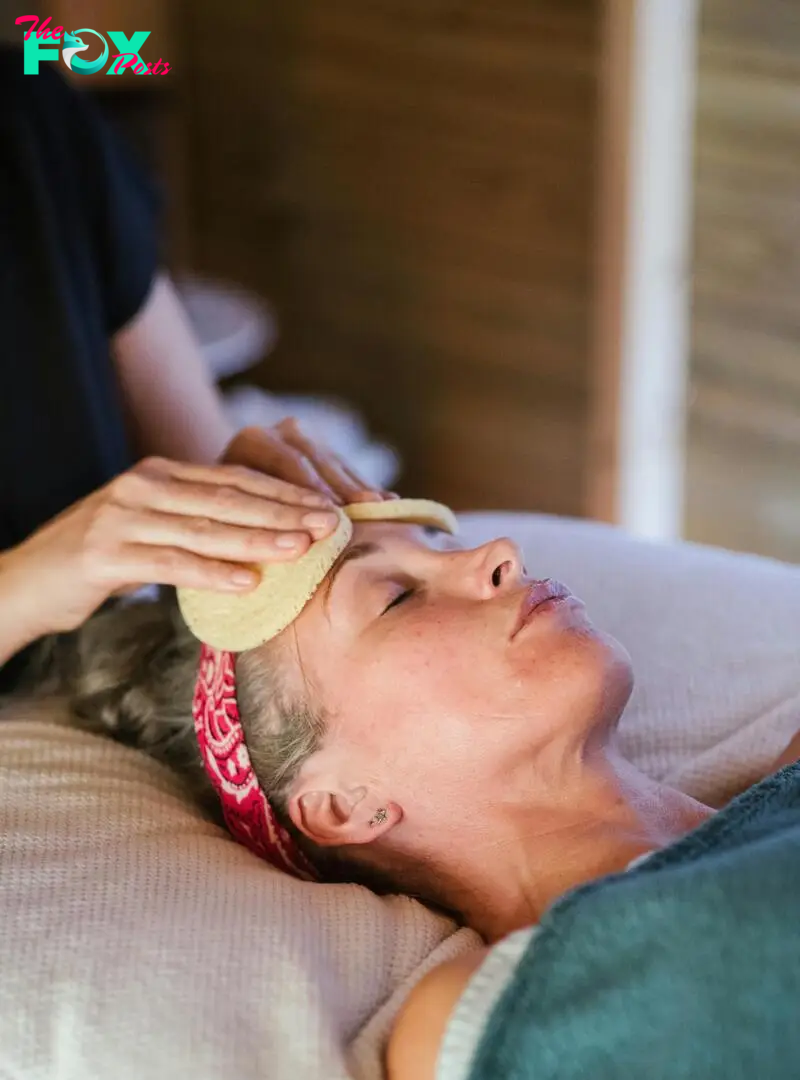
{"x": 535, "y": 597}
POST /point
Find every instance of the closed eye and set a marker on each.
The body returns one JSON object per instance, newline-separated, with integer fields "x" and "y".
{"x": 404, "y": 595}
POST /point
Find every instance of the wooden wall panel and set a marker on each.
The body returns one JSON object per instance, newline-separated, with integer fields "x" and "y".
{"x": 744, "y": 430}
{"x": 411, "y": 182}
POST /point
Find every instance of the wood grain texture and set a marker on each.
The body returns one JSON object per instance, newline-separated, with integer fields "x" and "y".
{"x": 613, "y": 198}
{"x": 744, "y": 424}
{"x": 411, "y": 182}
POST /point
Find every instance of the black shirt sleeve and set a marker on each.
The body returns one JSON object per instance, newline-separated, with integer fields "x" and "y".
{"x": 78, "y": 253}
{"x": 122, "y": 211}
{"x": 94, "y": 179}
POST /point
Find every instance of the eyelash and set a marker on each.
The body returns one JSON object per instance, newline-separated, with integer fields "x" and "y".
{"x": 399, "y": 599}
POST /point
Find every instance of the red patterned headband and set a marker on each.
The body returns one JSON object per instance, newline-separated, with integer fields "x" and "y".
{"x": 246, "y": 808}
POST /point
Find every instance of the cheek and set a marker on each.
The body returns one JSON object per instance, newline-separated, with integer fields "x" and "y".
{"x": 428, "y": 668}
{"x": 402, "y": 688}
{"x": 432, "y": 682}
{"x": 440, "y": 658}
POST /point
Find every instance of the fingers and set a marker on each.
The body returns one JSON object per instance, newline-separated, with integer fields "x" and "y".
{"x": 212, "y": 539}
{"x": 344, "y": 481}
{"x": 267, "y": 452}
{"x": 361, "y": 492}
{"x": 232, "y": 475}
{"x": 228, "y": 516}
{"x": 140, "y": 564}
{"x": 165, "y": 503}
{"x": 286, "y": 452}
{"x": 221, "y": 505}
{"x": 196, "y": 527}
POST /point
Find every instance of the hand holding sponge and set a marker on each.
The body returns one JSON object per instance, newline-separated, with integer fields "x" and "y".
{"x": 238, "y": 622}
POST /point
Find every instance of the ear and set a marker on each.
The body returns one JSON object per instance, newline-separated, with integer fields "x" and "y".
{"x": 336, "y": 818}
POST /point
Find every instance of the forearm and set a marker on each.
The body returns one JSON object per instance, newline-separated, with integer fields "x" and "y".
{"x": 19, "y": 610}
{"x": 174, "y": 405}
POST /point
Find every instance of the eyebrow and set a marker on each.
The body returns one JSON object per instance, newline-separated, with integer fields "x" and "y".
{"x": 357, "y": 551}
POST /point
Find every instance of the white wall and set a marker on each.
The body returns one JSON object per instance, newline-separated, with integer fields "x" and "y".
{"x": 644, "y": 262}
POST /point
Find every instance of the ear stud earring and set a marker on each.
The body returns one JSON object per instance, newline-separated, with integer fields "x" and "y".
{"x": 379, "y": 818}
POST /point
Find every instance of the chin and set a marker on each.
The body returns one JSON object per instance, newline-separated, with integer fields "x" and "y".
{"x": 599, "y": 672}
{"x": 620, "y": 673}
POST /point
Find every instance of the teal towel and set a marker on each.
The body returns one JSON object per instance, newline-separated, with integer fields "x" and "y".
{"x": 685, "y": 968}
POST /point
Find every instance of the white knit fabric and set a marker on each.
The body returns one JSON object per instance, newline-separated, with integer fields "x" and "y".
{"x": 137, "y": 940}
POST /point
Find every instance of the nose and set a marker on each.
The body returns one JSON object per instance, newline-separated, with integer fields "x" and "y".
{"x": 490, "y": 570}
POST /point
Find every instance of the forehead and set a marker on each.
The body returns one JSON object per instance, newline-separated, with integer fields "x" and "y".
{"x": 389, "y": 540}
{"x": 380, "y": 541}
{"x": 301, "y": 642}
{"x": 394, "y": 535}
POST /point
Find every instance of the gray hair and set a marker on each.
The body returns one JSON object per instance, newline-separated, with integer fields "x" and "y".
{"x": 129, "y": 672}
{"x": 281, "y": 731}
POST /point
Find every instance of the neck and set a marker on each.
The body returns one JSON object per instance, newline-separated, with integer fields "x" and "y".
{"x": 528, "y": 854}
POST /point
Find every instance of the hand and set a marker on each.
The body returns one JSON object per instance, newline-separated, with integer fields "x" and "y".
{"x": 285, "y": 452}
{"x": 161, "y": 522}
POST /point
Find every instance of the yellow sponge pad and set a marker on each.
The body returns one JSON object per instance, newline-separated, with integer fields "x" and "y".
{"x": 238, "y": 622}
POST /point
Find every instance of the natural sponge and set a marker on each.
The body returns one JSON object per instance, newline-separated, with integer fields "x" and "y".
{"x": 237, "y": 622}
{"x": 413, "y": 511}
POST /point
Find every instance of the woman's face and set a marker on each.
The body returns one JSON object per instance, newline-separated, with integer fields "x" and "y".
{"x": 439, "y": 675}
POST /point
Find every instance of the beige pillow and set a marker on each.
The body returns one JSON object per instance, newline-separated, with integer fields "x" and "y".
{"x": 139, "y": 940}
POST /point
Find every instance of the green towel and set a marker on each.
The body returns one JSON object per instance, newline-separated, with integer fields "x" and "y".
{"x": 685, "y": 968}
